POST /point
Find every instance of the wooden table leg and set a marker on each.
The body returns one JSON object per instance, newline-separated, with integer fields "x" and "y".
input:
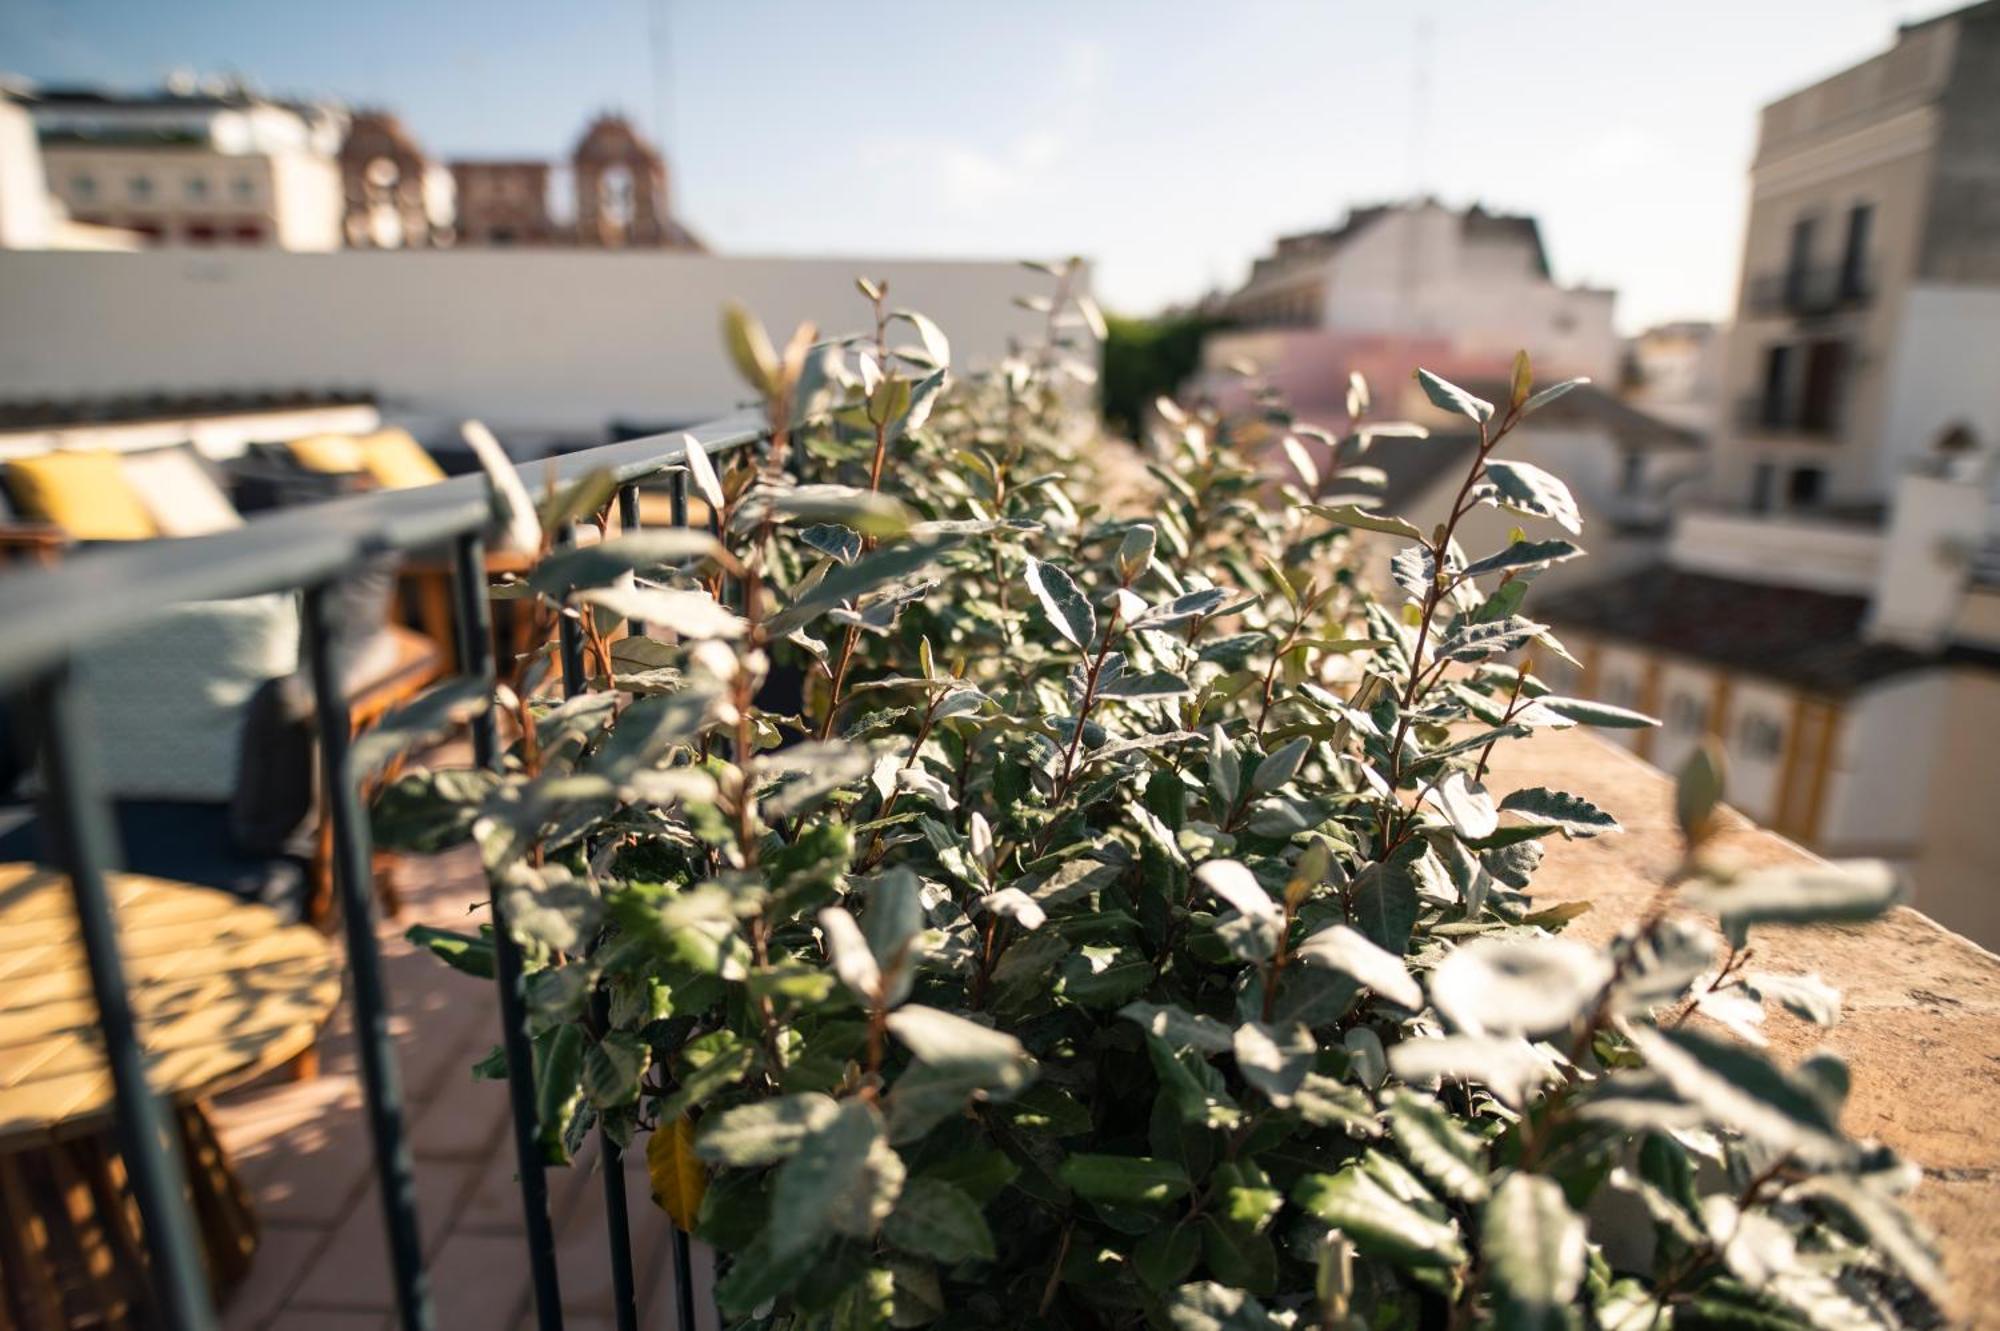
{"x": 72, "y": 1252}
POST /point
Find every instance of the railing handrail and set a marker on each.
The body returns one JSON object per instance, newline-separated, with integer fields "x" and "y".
{"x": 47, "y": 614}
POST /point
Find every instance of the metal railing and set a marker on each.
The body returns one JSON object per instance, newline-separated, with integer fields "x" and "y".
{"x": 49, "y": 617}
{"x": 1814, "y": 289}
{"x": 1761, "y": 413}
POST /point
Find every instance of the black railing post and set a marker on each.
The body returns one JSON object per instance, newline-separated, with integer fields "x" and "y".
{"x": 474, "y": 627}
{"x": 683, "y": 1257}
{"x": 617, "y": 1223}
{"x": 86, "y": 848}
{"x": 628, "y": 520}
{"x": 355, "y": 882}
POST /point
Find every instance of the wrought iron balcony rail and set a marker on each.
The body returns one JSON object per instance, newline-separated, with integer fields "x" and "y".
{"x": 50, "y": 617}
{"x": 1760, "y": 413}
{"x": 1812, "y": 290}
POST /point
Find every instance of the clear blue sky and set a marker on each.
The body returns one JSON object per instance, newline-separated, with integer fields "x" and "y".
{"x": 1167, "y": 140}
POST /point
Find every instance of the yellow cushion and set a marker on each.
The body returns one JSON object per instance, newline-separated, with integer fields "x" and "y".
{"x": 85, "y": 492}
{"x": 397, "y": 461}
{"x": 330, "y": 454}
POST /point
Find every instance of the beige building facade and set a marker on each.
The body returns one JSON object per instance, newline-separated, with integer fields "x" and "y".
{"x": 1874, "y": 229}
{"x": 200, "y": 166}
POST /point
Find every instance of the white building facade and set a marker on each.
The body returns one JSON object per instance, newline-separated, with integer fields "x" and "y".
{"x": 211, "y": 166}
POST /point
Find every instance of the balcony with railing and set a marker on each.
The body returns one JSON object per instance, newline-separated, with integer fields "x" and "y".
{"x": 1810, "y": 291}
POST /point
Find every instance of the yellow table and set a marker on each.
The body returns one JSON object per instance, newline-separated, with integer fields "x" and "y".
{"x": 223, "y": 991}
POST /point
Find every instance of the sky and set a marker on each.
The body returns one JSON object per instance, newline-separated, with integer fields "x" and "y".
{"x": 1167, "y": 141}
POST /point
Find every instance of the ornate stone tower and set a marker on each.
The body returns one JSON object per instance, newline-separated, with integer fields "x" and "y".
{"x": 503, "y": 203}
{"x": 385, "y": 178}
{"x": 621, "y": 190}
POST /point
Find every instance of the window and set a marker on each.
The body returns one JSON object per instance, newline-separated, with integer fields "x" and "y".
{"x": 1821, "y": 393}
{"x": 1763, "y": 487}
{"x": 1800, "y": 258}
{"x": 1774, "y": 407}
{"x": 1805, "y": 487}
{"x": 197, "y": 188}
{"x": 199, "y": 233}
{"x": 248, "y": 233}
{"x": 1631, "y": 472}
{"x": 140, "y": 187}
{"x": 1687, "y": 714}
{"x": 243, "y": 187}
{"x": 1760, "y": 738}
{"x": 84, "y": 187}
{"x": 1854, "y": 258}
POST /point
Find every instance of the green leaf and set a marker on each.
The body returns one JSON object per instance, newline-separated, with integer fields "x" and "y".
{"x": 1447, "y": 396}
{"x": 1238, "y": 1256}
{"x": 1067, "y": 608}
{"x": 1535, "y": 1248}
{"x": 936, "y": 345}
{"x": 427, "y": 718}
{"x": 1100, "y": 975}
{"x": 1510, "y": 1068}
{"x": 1465, "y": 805}
{"x": 1180, "y": 1028}
{"x": 840, "y": 1179}
{"x": 865, "y": 511}
{"x": 709, "y": 1065}
{"x": 847, "y": 582}
{"x": 1538, "y": 806}
{"x": 1280, "y": 765}
{"x": 461, "y": 952}
{"x": 1352, "y": 515}
{"x": 1384, "y": 898}
{"x": 1522, "y": 554}
{"x": 1841, "y": 893}
{"x": 1274, "y": 1060}
{"x": 1133, "y": 1180}
{"x": 1550, "y": 394}
{"x": 1697, "y": 790}
{"x": 1049, "y": 1109}
{"x": 1526, "y": 488}
{"x": 1587, "y": 713}
{"x": 690, "y": 613}
{"x": 1442, "y": 1151}
{"x": 750, "y": 349}
{"x": 1741, "y": 1088}
{"x": 1380, "y": 1223}
{"x": 597, "y": 565}
{"x": 764, "y": 1131}
{"x": 934, "y": 1219}
{"x": 956, "y": 1060}
{"x": 1804, "y": 996}
{"x": 1518, "y": 986}
{"x": 558, "y": 1068}
{"x": 1165, "y": 1256}
{"x": 1194, "y": 1089}
{"x": 424, "y": 812}
{"x": 1349, "y": 952}
{"x": 1469, "y": 641}
{"x": 1208, "y": 1306}
{"x": 612, "y": 1068}
{"x": 702, "y": 473}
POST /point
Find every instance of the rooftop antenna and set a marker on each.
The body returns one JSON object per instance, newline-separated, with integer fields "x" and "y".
{"x": 1420, "y": 114}
{"x": 660, "y": 66}
{"x": 1420, "y": 107}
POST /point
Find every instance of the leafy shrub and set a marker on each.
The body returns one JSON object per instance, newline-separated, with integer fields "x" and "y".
{"x": 1120, "y": 932}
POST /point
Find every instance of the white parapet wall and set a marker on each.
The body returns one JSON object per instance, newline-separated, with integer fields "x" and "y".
{"x": 550, "y": 340}
{"x": 1782, "y": 550}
